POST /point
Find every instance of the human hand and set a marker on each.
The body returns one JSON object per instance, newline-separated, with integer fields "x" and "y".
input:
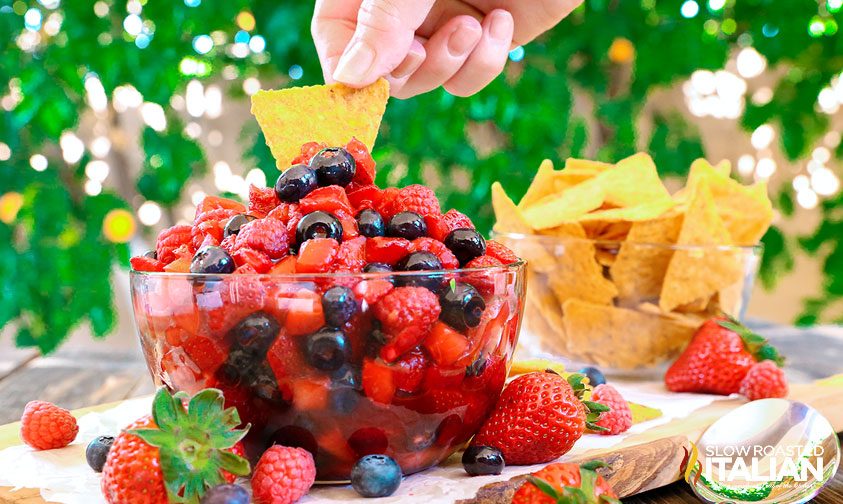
{"x": 419, "y": 45}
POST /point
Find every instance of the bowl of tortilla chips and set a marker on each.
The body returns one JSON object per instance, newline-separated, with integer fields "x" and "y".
{"x": 621, "y": 272}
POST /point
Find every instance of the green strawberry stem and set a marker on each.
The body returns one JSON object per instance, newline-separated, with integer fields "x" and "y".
{"x": 754, "y": 343}
{"x": 585, "y": 494}
{"x": 593, "y": 410}
{"x": 193, "y": 443}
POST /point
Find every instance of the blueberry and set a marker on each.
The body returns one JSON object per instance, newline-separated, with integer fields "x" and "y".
{"x": 482, "y": 460}
{"x": 409, "y": 225}
{"x": 318, "y": 224}
{"x": 295, "y": 183}
{"x": 333, "y": 166}
{"x": 151, "y": 254}
{"x": 327, "y": 349}
{"x": 466, "y": 244}
{"x": 261, "y": 381}
{"x": 462, "y": 306}
{"x": 376, "y": 476}
{"x": 420, "y": 261}
{"x": 338, "y": 305}
{"x": 256, "y": 332}
{"x": 97, "y": 452}
{"x": 595, "y": 376}
{"x": 232, "y": 227}
{"x": 370, "y": 223}
{"x": 226, "y": 494}
{"x": 210, "y": 259}
{"x": 377, "y": 267}
{"x": 477, "y": 367}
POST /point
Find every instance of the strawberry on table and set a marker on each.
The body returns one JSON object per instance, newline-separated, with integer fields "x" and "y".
{"x": 566, "y": 483}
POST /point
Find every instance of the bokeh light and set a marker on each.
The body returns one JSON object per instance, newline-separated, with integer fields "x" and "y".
{"x": 118, "y": 226}
{"x": 10, "y": 205}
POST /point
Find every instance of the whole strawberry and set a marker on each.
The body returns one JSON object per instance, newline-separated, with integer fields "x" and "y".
{"x": 619, "y": 417}
{"x": 45, "y": 426}
{"x": 538, "y": 418}
{"x": 283, "y": 475}
{"x": 717, "y": 359}
{"x": 763, "y": 381}
{"x": 175, "y": 454}
{"x": 566, "y": 483}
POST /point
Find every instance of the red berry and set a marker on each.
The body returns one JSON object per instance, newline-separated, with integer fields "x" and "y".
{"x": 367, "y": 196}
{"x": 415, "y": 198}
{"x": 408, "y": 371}
{"x": 562, "y": 476}
{"x": 387, "y": 250}
{"x": 764, "y": 380}
{"x": 215, "y": 202}
{"x": 286, "y": 266}
{"x": 283, "y": 475}
{"x": 143, "y": 263}
{"x": 231, "y": 300}
{"x": 378, "y": 382}
{"x": 304, "y": 313}
{"x": 437, "y": 248}
{"x": 308, "y": 150}
{"x": 406, "y": 315}
{"x": 257, "y": 261}
{"x": 316, "y": 255}
{"x": 328, "y": 199}
{"x": 385, "y": 206}
{"x": 500, "y": 252}
{"x": 208, "y": 227}
{"x": 351, "y": 256}
{"x": 132, "y": 471}
{"x": 371, "y": 291}
{"x": 619, "y": 417}
{"x": 445, "y": 345}
{"x": 365, "y": 172}
{"x": 264, "y": 235}
{"x": 45, "y": 426}
{"x": 483, "y": 281}
{"x": 438, "y": 226}
{"x": 170, "y": 239}
{"x": 262, "y": 200}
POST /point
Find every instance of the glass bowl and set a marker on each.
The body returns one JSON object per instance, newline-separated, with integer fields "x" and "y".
{"x": 626, "y": 307}
{"x": 268, "y": 343}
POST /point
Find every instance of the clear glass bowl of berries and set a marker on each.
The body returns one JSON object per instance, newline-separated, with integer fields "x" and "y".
{"x": 336, "y": 316}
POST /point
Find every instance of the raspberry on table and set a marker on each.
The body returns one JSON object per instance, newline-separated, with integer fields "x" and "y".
{"x": 45, "y": 426}
{"x": 283, "y": 475}
{"x": 764, "y": 380}
{"x": 619, "y": 417}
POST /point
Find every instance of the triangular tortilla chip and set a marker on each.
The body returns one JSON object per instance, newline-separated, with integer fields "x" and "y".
{"x": 541, "y": 186}
{"x": 633, "y": 181}
{"x": 508, "y": 218}
{"x": 567, "y": 206}
{"x": 698, "y": 272}
{"x": 333, "y": 114}
{"x": 644, "y": 211}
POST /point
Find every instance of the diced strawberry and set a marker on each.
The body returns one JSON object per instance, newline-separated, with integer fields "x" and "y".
{"x": 311, "y": 393}
{"x": 351, "y": 256}
{"x": 327, "y": 199}
{"x": 143, "y": 263}
{"x": 228, "y": 243}
{"x": 387, "y": 250}
{"x": 208, "y": 226}
{"x": 439, "y": 226}
{"x": 437, "y": 248}
{"x": 180, "y": 265}
{"x": 349, "y": 224}
{"x": 385, "y": 206}
{"x": 406, "y": 314}
{"x": 245, "y": 256}
{"x": 215, "y": 202}
{"x": 286, "y": 266}
{"x": 483, "y": 281}
{"x": 308, "y": 150}
{"x": 365, "y": 171}
{"x": 371, "y": 291}
{"x": 442, "y": 377}
{"x": 445, "y": 345}
{"x": 262, "y": 200}
{"x": 223, "y": 304}
{"x": 360, "y": 197}
{"x": 207, "y": 353}
{"x": 316, "y": 255}
{"x": 285, "y": 212}
{"x": 264, "y": 235}
{"x": 245, "y": 269}
{"x": 378, "y": 384}
{"x": 408, "y": 372}
{"x": 500, "y": 252}
{"x": 304, "y": 313}
{"x": 285, "y": 358}
{"x": 170, "y": 239}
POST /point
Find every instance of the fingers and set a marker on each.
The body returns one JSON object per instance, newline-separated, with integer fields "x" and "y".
{"x": 447, "y": 51}
{"x": 488, "y": 58}
{"x": 382, "y": 38}
{"x": 332, "y": 27}
{"x": 415, "y": 58}
{"x": 532, "y": 17}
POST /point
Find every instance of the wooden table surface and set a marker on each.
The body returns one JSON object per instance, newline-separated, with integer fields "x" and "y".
{"x": 76, "y": 377}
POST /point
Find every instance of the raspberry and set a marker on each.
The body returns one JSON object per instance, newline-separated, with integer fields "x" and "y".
{"x": 316, "y": 255}
{"x": 415, "y": 198}
{"x": 385, "y": 205}
{"x": 215, "y": 202}
{"x": 262, "y": 200}
{"x": 143, "y": 263}
{"x": 351, "y": 255}
{"x": 227, "y": 302}
{"x": 371, "y": 291}
{"x": 763, "y": 381}
{"x": 283, "y": 475}
{"x": 210, "y": 223}
{"x": 285, "y": 212}
{"x": 264, "y": 235}
{"x": 257, "y": 261}
{"x": 500, "y": 252}
{"x": 406, "y": 314}
{"x": 619, "y": 417}
{"x": 438, "y": 226}
{"x": 328, "y": 199}
{"x": 45, "y": 426}
{"x": 349, "y": 224}
{"x": 482, "y": 281}
{"x": 367, "y": 196}
{"x": 387, "y": 250}
{"x": 171, "y": 239}
{"x": 437, "y": 248}
{"x": 365, "y": 172}
{"x": 308, "y": 150}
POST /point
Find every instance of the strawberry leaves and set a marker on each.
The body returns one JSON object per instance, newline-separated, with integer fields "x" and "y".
{"x": 577, "y": 382}
{"x": 193, "y": 442}
{"x": 754, "y": 343}
{"x": 584, "y": 494}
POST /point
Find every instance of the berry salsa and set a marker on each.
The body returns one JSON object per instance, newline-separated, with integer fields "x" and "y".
{"x": 336, "y": 316}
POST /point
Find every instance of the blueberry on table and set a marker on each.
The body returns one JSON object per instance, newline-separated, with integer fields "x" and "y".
{"x": 376, "y": 476}
{"x": 333, "y": 166}
{"x": 232, "y": 227}
{"x": 409, "y": 225}
{"x": 211, "y": 259}
{"x": 377, "y": 267}
{"x": 226, "y": 494}
{"x": 462, "y": 306}
{"x": 97, "y": 452}
{"x": 327, "y": 349}
{"x": 318, "y": 224}
{"x": 466, "y": 244}
{"x": 338, "y": 305}
{"x": 482, "y": 460}
{"x": 595, "y": 376}
{"x": 295, "y": 183}
{"x": 370, "y": 223}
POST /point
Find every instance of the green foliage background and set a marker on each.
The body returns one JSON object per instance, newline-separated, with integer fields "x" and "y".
{"x": 54, "y": 259}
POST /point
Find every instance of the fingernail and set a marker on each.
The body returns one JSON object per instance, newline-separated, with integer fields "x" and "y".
{"x": 500, "y": 27}
{"x": 410, "y": 64}
{"x": 462, "y": 40}
{"x": 355, "y": 64}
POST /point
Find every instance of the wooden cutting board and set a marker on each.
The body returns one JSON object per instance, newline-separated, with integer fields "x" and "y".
{"x": 641, "y": 462}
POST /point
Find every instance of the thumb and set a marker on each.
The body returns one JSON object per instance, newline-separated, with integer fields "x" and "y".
{"x": 383, "y": 36}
